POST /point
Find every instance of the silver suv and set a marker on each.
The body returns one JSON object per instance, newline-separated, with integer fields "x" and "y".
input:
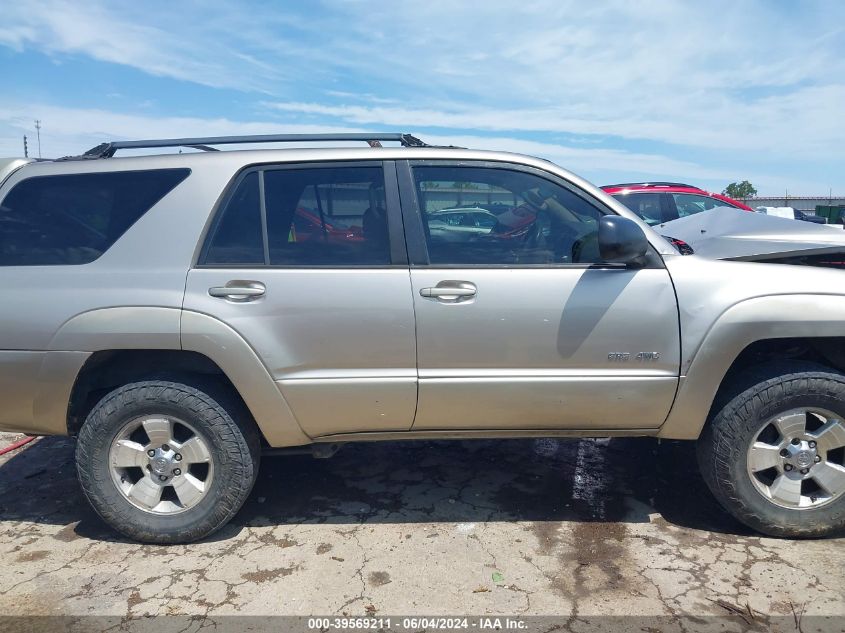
{"x": 181, "y": 314}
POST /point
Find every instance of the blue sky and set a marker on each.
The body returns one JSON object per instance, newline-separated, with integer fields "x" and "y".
{"x": 707, "y": 92}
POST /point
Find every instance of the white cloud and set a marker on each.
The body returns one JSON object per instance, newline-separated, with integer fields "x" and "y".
{"x": 74, "y": 130}
{"x": 127, "y": 35}
{"x": 687, "y": 74}
{"x": 799, "y": 123}
{"x": 721, "y": 79}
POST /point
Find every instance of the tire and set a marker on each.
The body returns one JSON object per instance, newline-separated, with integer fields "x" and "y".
{"x": 750, "y": 461}
{"x": 222, "y": 452}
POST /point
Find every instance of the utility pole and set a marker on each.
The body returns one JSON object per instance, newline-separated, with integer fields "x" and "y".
{"x": 38, "y": 131}
{"x": 25, "y": 149}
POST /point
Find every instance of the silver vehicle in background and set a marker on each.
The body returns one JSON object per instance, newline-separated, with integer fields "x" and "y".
{"x": 182, "y": 314}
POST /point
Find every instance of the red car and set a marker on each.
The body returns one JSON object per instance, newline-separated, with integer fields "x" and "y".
{"x": 307, "y": 227}
{"x": 658, "y": 202}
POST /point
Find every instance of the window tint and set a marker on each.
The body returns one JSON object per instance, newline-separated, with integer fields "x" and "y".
{"x": 475, "y": 215}
{"x": 326, "y": 216}
{"x": 645, "y": 205}
{"x": 75, "y": 218}
{"x": 237, "y": 238}
{"x": 690, "y": 204}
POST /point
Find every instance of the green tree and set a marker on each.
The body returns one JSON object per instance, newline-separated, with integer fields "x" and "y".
{"x": 740, "y": 190}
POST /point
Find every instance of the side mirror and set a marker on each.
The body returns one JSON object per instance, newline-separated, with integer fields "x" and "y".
{"x": 621, "y": 240}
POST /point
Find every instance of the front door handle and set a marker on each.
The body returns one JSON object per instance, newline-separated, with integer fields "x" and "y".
{"x": 239, "y": 290}
{"x": 451, "y": 291}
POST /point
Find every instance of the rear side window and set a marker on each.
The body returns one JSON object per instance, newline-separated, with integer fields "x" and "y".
{"x": 320, "y": 216}
{"x": 75, "y": 218}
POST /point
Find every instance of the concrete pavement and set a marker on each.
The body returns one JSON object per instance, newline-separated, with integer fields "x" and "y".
{"x": 566, "y": 528}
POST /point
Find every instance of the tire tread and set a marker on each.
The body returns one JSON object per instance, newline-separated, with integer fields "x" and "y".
{"x": 222, "y": 418}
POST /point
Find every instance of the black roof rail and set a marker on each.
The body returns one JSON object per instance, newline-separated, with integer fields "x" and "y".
{"x": 107, "y": 150}
{"x": 652, "y": 184}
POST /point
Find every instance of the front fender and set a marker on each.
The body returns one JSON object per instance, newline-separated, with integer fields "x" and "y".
{"x": 760, "y": 318}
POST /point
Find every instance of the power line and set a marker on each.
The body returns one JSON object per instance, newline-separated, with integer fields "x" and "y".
{"x": 38, "y": 132}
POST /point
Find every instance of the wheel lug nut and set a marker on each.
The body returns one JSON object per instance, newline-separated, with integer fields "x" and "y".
{"x": 165, "y": 447}
{"x": 804, "y": 471}
{"x": 784, "y": 453}
{"x": 796, "y": 441}
{"x": 818, "y": 458}
{"x": 177, "y": 472}
{"x": 787, "y": 467}
{"x": 151, "y": 453}
{"x": 162, "y": 477}
{"x": 811, "y": 444}
{"x": 177, "y": 457}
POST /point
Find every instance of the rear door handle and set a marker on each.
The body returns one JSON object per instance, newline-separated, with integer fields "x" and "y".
{"x": 451, "y": 291}
{"x": 239, "y": 290}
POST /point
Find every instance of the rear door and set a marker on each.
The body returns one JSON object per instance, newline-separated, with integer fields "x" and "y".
{"x": 307, "y": 262}
{"x": 523, "y": 327}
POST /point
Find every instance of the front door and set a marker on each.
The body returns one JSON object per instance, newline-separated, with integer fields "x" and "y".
{"x": 307, "y": 263}
{"x": 519, "y": 325}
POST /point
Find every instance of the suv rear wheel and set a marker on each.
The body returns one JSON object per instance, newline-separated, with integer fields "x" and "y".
{"x": 774, "y": 454}
{"x": 164, "y": 462}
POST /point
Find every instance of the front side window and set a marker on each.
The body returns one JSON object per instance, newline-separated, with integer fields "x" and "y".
{"x": 321, "y": 216}
{"x": 485, "y": 215}
{"x": 75, "y": 218}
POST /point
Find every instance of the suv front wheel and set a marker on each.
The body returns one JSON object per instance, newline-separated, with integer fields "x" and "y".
{"x": 165, "y": 462}
{"x": 774, "y": 454}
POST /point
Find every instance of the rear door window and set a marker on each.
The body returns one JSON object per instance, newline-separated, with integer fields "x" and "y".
{"x": 326, "y": 216}
{"x": 237, "y": 238}
{"x": 314, "y": 216}
{"x": 74, "y": 218}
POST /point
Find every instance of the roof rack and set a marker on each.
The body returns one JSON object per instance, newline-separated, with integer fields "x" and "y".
{"x": 653, "y": 184}
{"x": 107, "y": 150}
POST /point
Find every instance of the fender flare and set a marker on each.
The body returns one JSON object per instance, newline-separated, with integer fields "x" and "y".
{"x": 228, "y": 349}
{"x": 744, "y": 323}
{"x": 123, "y": 328}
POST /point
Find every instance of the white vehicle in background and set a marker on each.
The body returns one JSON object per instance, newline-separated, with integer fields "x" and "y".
{"x": 461, "y": 224}
{"x": 790, "y": 213}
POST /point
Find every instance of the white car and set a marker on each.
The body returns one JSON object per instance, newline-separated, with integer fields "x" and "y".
{"x": 790, "y": 213}
{"x": 460, "y": 224}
